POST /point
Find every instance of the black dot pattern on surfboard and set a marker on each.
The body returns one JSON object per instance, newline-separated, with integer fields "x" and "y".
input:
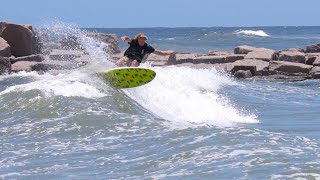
{"x": 130, "y": 77}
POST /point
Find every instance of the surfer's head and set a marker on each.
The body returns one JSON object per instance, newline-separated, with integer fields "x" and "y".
{"x": 141, "y": 38}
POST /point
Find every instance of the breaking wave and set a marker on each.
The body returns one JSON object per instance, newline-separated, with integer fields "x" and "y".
{"x": 260, "y": 33}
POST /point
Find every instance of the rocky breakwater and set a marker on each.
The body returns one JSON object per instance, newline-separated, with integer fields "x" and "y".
{"x": 252, "y": 62}
{"x": 22, "y": 49}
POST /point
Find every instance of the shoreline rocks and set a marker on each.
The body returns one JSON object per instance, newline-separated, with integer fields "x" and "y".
{"x": 21, "y": 47}
{"x": 19, "y": 37}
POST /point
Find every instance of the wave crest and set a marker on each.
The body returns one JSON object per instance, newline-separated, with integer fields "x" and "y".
{"x": 260, "y": 33}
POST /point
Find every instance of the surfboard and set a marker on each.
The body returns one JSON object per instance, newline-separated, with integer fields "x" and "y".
{"x": 128, "y": 77}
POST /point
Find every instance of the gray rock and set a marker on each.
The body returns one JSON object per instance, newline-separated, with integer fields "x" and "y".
{"x": 312, "y": 58}
{"x": 246, "y": 49}
{"x": 57, "y": 65}
{"x": 161, "y": 60}
{"x": 252, "y": 69}
{"x": 316, "y": 62}
{"x": 221, "y": 67}
{"x": 185, "y": 58}
{"x": 34, "y": 57}
{"x": 5, "y": 50}
{"x": 111, "y": 39}
{"x": 295, "y": 49}
{"x": 5, "y": 65}
{"x": 265, "y": 55}
{"x": 315, "y": 72}
{"x": 290, "y": 56}
{"x": 289, "y": 67}
{"x": 281, "y": 77}
{"x": 315, "y": 48}
{"x": 241, "y": 74}
{"x": 208, "y": 59}
{"x": 219, "y": 53}
{"x": 234, "y": 57}
{"x": 18, "y": 37}
{"x": 23, "y": 66}
{"x": 259, "y": 64}
{"x": 65, "y": 55}
{"x": 46, "y": 65}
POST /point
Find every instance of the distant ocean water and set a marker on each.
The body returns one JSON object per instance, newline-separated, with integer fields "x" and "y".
{"x": 201, "y": 40}
{"x": 187, "y": 123}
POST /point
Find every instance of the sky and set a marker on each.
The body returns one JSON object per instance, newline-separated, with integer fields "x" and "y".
{"x": 163, "y": 13}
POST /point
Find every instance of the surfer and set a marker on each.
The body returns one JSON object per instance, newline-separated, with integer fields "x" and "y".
{"x": 138, "y": 51}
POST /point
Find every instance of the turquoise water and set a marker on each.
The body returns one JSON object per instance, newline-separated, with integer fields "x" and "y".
{"x": 187, "y": 123}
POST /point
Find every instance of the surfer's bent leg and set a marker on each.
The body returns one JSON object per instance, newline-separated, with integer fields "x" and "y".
{"x": 123, "y": 61}
{"x": 135, "y": 63}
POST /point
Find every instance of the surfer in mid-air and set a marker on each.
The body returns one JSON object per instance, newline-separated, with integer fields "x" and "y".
{"x": 138, "y": 51}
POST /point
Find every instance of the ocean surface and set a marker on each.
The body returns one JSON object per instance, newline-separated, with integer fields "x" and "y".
{"x": 187, "y": 123}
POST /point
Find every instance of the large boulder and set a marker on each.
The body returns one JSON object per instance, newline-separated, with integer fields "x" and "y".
{"x": 110, "y": 39}
{"x": 34, "y": 58}
{"x": 5, "y": 65}
{"x": 18, "y": 37}
{"x": 289, "y": 67}
{"x": 290, "y": 55}
{"x": 246, "y": 49}
{"x": 5, "y": 50}
{"x": 313, "y": 48}
{"x": 265, "y": 55}
{"x": 315, "y": 72}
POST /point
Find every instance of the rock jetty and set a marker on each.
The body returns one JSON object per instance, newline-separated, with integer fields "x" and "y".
{"x": 21, "y": 49}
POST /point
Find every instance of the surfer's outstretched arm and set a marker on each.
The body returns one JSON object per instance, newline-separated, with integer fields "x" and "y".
{"x": 126, "y": 38}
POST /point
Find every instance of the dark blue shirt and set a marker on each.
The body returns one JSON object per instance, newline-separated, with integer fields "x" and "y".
{"x": 137, "y": 52}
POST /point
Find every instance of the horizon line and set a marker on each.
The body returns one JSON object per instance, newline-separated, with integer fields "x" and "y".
{"x": 263, "y": 26}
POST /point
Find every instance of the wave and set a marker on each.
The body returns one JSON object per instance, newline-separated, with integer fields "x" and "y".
{"x": 260, "y": 33}
{"x": 187, "y": 96}
{"x": 71, "y": 84}
{"x": 179, "y": 95}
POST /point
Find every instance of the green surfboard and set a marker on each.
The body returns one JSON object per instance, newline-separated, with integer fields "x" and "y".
{"x": 128, "y": 77}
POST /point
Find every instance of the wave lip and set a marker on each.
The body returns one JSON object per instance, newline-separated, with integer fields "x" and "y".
{"x": 260, "y": 33}
{"x": 189, "y": 97}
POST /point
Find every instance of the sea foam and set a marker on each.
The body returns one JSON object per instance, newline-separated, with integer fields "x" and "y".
{"x": 260, "y": 33}
{"x": 187, "y": 96}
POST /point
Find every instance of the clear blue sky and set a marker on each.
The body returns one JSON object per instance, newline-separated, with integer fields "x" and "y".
{"x": 164, "y": 13}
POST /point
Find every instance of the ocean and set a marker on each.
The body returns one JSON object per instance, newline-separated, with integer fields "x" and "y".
{"x": 187, "y": 123}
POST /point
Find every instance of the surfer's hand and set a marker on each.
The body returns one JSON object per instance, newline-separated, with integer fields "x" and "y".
{"x": 124, "y": 38}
